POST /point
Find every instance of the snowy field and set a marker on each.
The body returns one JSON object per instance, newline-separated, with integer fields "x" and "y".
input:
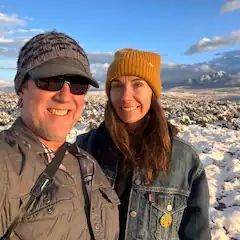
{"x": 216, "y": 137}
{"x": 219, "y": 150}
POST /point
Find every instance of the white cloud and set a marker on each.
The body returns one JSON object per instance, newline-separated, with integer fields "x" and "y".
{"x": 206, "y": 44}
{"x": 9, "y": 47}
{"x": 228, "y": 61}
{"x": 8, "y": 52}
{"x": 231, "y": 5}
{"x": 205, "y": 68}
{"x": 6, "y": 20}
{"x": 100, "y": 57}
{"x": 7, "y": 68}
{"x": 12, "y": 41}
{"x": 99, "y": 71}
{"x": 169, "y": 65}
{"x": 21, "y": 30}
{"x": 13, "y": 35}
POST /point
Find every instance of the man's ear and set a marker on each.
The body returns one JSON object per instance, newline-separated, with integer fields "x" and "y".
{"x": 21, "y": 93}
{"x": 20, "y": 99}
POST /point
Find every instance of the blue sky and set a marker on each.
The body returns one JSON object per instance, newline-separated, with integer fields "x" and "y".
{"x": 183, "y": 32}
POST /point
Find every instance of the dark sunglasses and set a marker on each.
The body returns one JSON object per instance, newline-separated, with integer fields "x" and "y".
{"x": 78, "y": 85}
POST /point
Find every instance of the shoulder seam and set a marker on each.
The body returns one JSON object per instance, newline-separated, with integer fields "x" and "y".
{"x": 199, "y": 171}
{"x": 4, "y": 182}
{"x": 195, "y": 151}
{"x": 186, "y": 143}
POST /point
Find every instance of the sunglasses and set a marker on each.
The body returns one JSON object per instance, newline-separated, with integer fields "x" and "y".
{"x": 78, "y": 85}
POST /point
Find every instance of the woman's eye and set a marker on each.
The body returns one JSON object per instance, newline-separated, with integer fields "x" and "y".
{"x": 137, "y": 84}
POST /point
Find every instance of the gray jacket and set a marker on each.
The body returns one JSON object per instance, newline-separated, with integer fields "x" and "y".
{"x": 60, "y": 213}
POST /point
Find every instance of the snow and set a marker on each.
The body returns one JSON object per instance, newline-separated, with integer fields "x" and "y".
{"x": 219, "y": 151}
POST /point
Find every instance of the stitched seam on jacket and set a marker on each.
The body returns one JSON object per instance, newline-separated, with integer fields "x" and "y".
{"x": 199, "y": 171}
{"x": 4, "y": 180}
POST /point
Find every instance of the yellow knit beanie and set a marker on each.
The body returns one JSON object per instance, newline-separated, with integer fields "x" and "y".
{"x": 133, "y": 62}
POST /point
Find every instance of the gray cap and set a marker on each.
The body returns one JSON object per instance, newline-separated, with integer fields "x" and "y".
{"x": 52, "y": 54}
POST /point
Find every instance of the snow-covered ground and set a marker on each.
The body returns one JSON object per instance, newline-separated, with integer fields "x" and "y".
{"x": 218, "y": 146}
{"x": 219, "y": 150}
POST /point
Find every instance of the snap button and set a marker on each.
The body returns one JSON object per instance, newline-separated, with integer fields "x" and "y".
{"x": 133, "y": 213}
{"x": 137, "y": 182}
{"x": 47, "y": 200}
{"x": 97, "y": 226}
{"x": 29, "y": 217}
{"x": 50, "y": 210}
{"x": 169, "y": 207}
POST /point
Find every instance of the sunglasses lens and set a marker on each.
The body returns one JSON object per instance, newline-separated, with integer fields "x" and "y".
{"x": 77, "y": 85}
{"x": 49, "y": 84}
{"x": 78, "y": 89}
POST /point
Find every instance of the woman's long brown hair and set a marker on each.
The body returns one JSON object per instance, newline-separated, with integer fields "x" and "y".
{"x": 153, "y": 153}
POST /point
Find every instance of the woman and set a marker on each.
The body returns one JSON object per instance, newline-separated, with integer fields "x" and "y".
{"x": 158, "y": 177}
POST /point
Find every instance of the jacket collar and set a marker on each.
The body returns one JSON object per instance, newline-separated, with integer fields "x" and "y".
{"x": 25, "y": 136}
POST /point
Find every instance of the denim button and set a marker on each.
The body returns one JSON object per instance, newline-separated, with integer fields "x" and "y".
{"x": 137, "y": 182}
{"x": 169, "y": 207}
{"x": 133, "y": 213}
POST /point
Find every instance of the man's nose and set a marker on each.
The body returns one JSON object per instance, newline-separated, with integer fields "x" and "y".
{"x": 64, "y": 94}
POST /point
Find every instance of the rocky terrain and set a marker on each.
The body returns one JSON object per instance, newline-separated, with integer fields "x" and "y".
{"x": 186, "y": 111}
{"x": 211, "y": 125}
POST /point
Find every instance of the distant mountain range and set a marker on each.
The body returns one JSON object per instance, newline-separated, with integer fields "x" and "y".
{"x": 222, "y": 71}
{"x": 219, "y": 79}
{"x": 6, "y": 86}
{"x": 215, "y": 79}
{"x": 7, "y": 89}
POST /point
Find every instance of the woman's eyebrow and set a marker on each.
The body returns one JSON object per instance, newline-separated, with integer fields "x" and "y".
{"x": 131, "y": 80}
{"x": 137, "y": 79}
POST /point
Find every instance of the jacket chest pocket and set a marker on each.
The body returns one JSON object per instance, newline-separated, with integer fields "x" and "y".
{"x": 56, "y": 200}
{"x": 166, "y": 212}
{"x": 104, "y": 213}
{"x": 54, "y": 206}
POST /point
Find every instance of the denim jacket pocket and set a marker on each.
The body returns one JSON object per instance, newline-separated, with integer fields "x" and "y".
{"x": 166, "y": 212}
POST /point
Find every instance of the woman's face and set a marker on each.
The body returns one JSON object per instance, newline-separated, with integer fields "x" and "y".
{"x": 131, "y": 99}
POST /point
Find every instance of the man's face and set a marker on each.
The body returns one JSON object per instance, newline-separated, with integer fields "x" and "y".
{"x": 50, "y": 115}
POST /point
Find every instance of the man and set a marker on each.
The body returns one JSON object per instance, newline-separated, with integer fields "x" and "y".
{"x": 52, "y": 78}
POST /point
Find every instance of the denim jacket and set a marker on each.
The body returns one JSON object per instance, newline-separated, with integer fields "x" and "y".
{"x": 174, "y": 207}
